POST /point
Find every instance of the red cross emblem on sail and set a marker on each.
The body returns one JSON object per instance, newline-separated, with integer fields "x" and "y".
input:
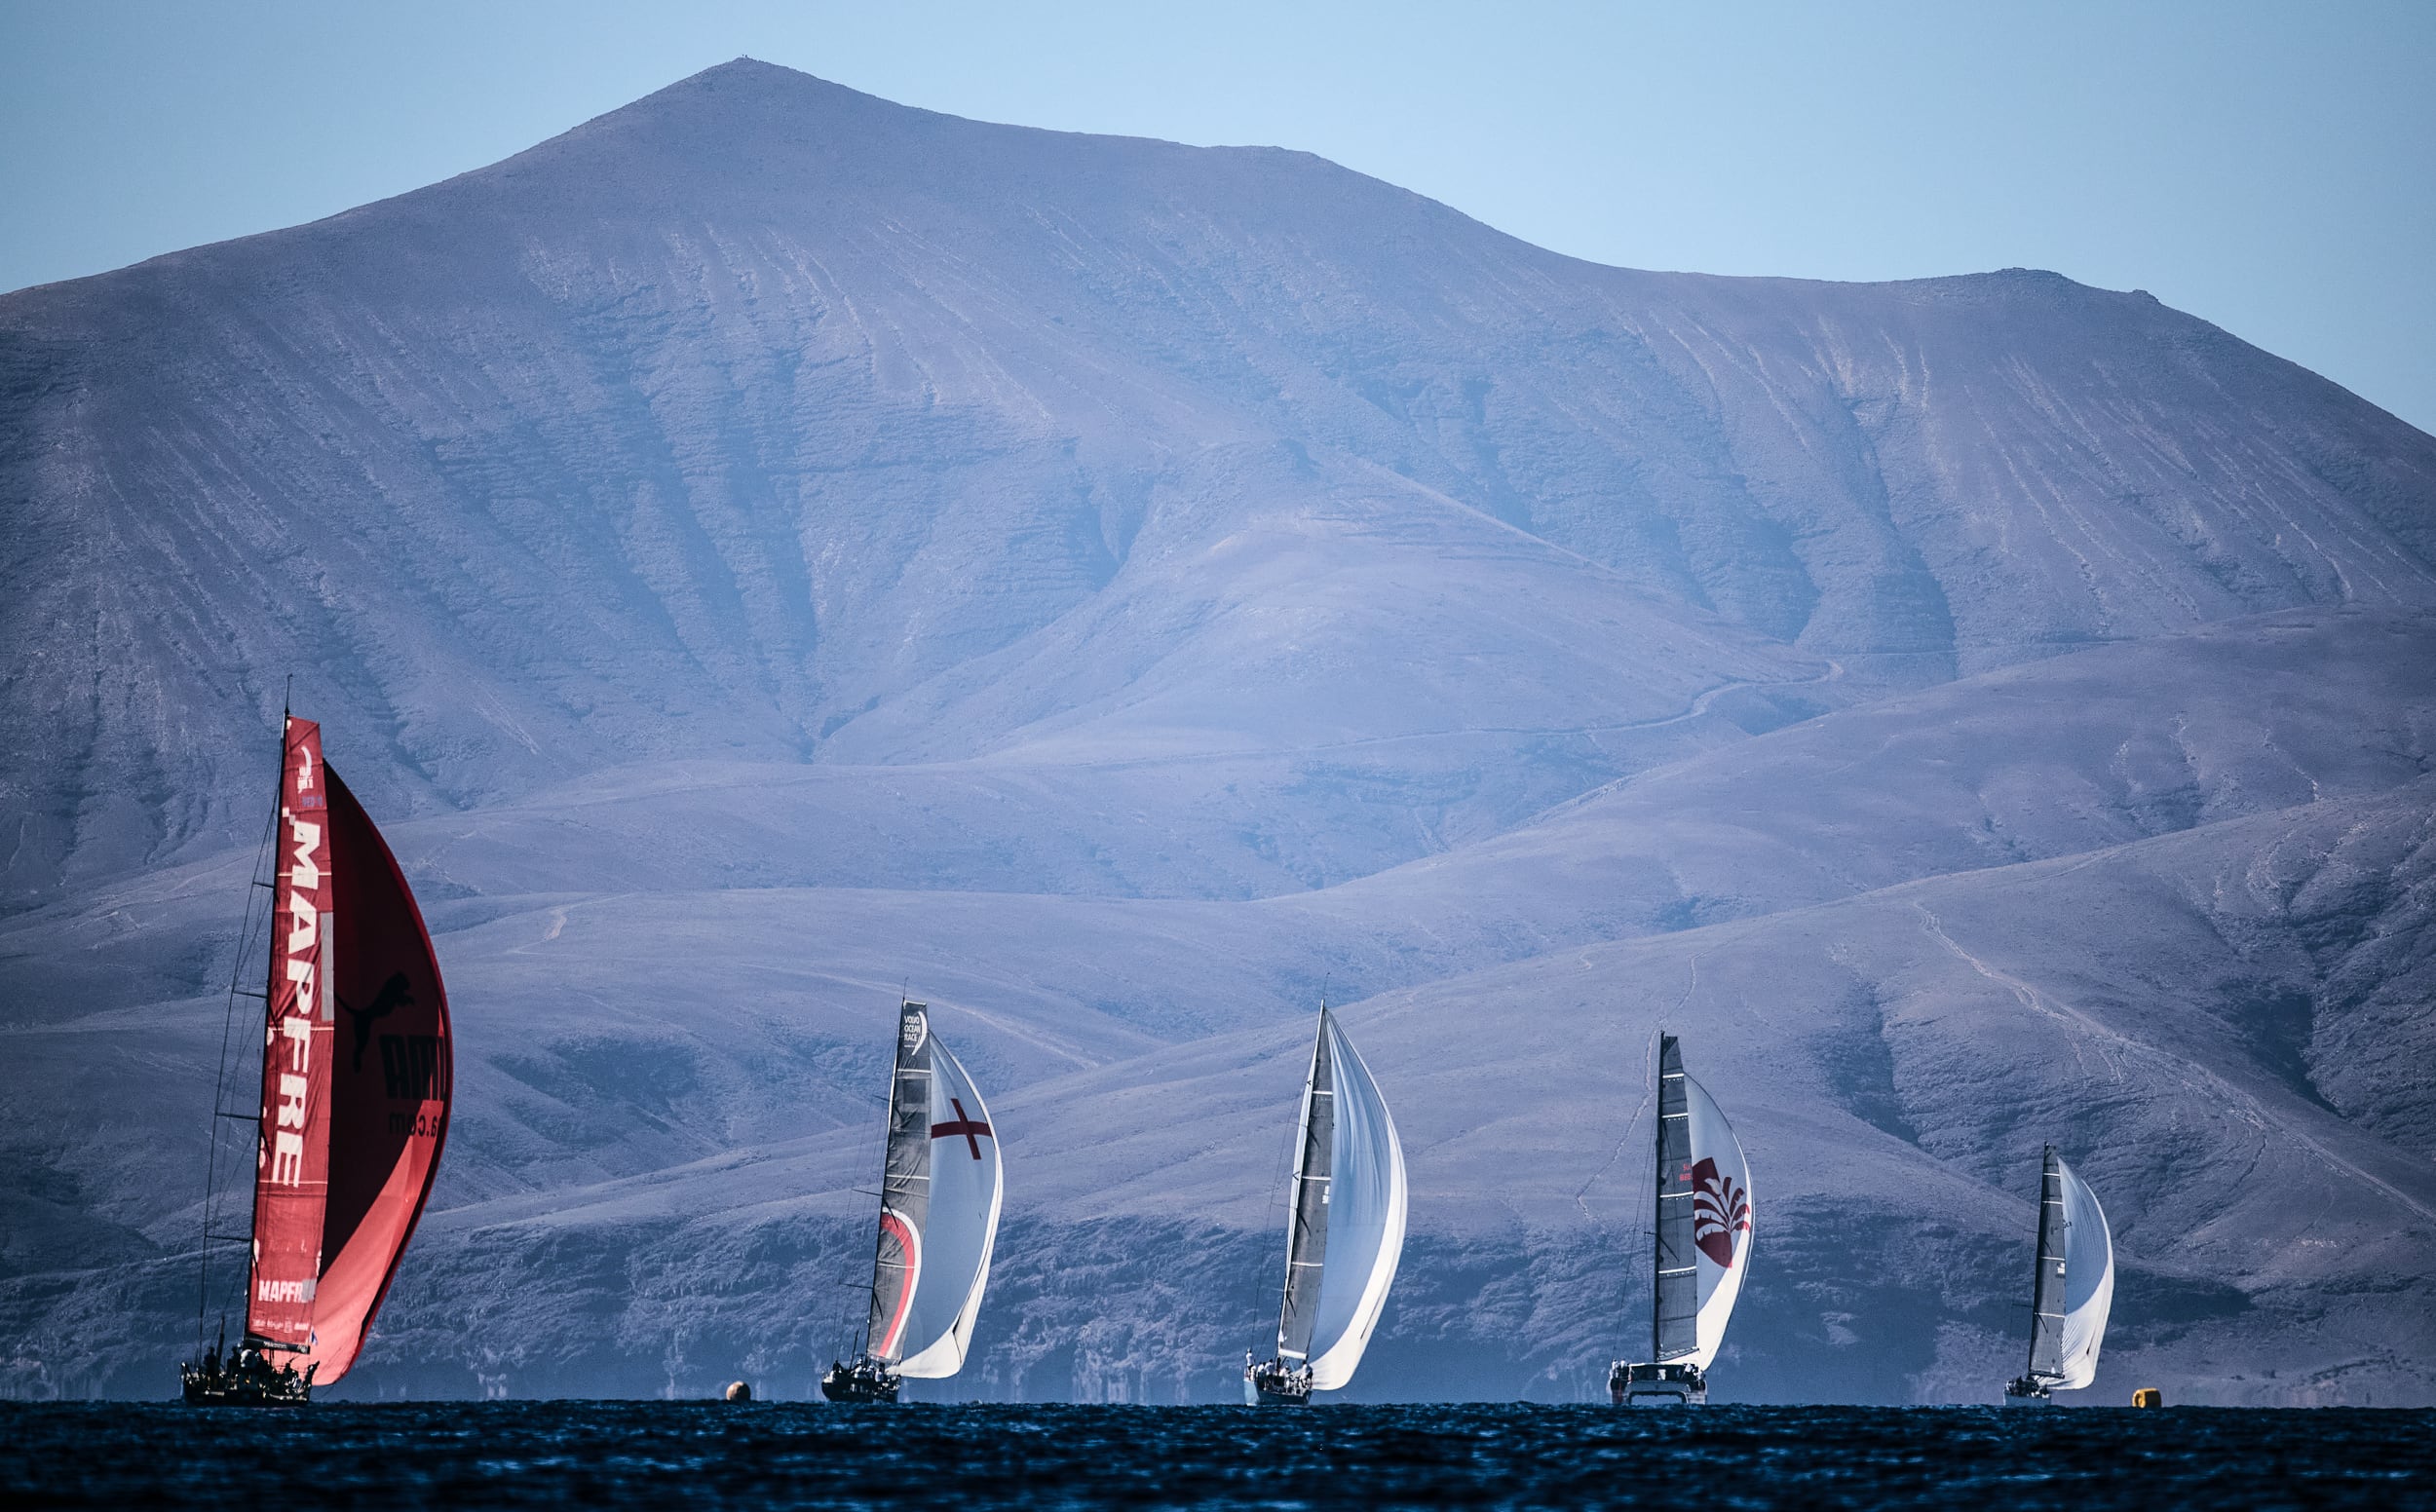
{"x": 1719, "y": 1210}
{"x": 962, "y": 1124}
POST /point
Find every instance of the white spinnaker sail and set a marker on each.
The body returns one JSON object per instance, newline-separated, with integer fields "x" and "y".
{"x": 1366, "y": 1219}
{"x": 960, "y": 1227}
{"x": 1721, "y": 1217}
{"x": 2088, "y": 1281}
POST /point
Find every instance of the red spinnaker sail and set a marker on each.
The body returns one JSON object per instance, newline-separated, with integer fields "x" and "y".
{"x": 358, "y": 1109}
{"x": 390, "y": 1074}
{"x": 291, "y": 1153}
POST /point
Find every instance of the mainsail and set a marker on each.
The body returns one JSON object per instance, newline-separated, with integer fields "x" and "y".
{"x": 1703, "y": 1227}
{"x": 2073, "y": 1288}
{"x": 356, "y": 1073}
{"x": 938, "y": 1207}
{"x": 1348, "y": 1230}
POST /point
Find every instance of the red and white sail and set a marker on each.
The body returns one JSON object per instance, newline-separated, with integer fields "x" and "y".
{"x": 1721, "y": 1217}
{"x": 360, "y": 1124}
{"x": 291, "y": 1153}
{"x": 940, "y": 1195}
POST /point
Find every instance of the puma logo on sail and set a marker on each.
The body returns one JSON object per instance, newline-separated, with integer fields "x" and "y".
{"x": 395, "y": 991}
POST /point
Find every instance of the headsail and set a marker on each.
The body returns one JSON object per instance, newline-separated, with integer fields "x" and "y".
{"x": 356, "y": 1072}
{"x": 1721, "y": 1217}
{"x": 2088, "y": 1280}
{"x": 1350, "y": 1199}
{"x": 392, "y": 1069}
{"x": 1703, "y": 1220}
{"x": 938, "y": 1207}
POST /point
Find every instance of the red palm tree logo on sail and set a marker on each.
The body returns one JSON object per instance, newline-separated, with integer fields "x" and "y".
{"x": 1719, "y": 1210}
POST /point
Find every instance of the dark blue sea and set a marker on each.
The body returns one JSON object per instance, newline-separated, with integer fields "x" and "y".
{"x": 960, "y": 1458}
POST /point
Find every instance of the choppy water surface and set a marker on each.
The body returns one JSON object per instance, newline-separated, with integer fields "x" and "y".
{"x": 590, "y": 1454}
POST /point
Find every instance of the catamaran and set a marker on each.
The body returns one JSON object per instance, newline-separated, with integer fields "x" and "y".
{"x": 1703, "y": 1242}
{"x": 1346, "y": 1232}
{"x": 2072, "y": 1291}
{"x": 356, "y": 1074}
{"x": 941, "y": 1185}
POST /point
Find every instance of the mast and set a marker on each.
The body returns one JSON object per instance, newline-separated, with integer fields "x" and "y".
{"x": 1306, "y": 1230}
{"x": 1674, "y": 1292}
{"x": 2046, "y": 1291}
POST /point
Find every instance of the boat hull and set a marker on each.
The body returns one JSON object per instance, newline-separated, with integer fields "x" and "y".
{"x": 1274, "y": 1384}
{"x": 859, "y": 1380}
{"x": 206, "y": 1387}
{"x": 1636, "y": 1384}
{"x": 2027, "y": 1393}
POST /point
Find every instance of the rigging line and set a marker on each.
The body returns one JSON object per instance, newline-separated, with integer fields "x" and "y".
{"x": 888, "y": 1129}
{"x": 1648, "y": 1081}
{"x": 245, "y": 929}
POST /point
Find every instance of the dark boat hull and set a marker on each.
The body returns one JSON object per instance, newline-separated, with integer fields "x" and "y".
{"x": 1632, "y": 1385}
{"x": 240, "y": 1388}
{"x": 2022, "y": 1391}
{"x": 858, "y": 1382}
{"x": 1274, "y": 1384}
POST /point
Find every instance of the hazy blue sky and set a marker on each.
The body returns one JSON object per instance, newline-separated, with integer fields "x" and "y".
{"x": 2269, "y": 167}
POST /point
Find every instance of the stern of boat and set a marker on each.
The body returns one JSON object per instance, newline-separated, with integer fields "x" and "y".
{"x": 1275, "y": 1383}
{"x": 860, "y": 1379}
{"x": 1634, "y": 1384}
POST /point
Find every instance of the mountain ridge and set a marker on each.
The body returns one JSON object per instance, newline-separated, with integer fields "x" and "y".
{"x": 767, "y": 545}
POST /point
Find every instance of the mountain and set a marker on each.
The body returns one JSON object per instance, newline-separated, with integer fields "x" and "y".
{"x": 769, "y": 546}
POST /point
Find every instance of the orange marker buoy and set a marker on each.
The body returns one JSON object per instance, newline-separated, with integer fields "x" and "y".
{"x": 2148, "y": 1396}
{"x": 738, "y": 1391}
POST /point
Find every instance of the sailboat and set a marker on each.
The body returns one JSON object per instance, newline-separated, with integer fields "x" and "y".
{"x": 1346, "y": 1232}
{"x": 941, "y": 1187}
{"x": 2072, "y": 1290}
{"x": 1702, "y": 1248}
{"x": 356, "y": 1078}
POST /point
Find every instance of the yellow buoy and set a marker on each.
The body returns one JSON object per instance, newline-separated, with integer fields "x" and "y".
{"x": 2148, "y": 1396}
{"x": 738, "y": 1391}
